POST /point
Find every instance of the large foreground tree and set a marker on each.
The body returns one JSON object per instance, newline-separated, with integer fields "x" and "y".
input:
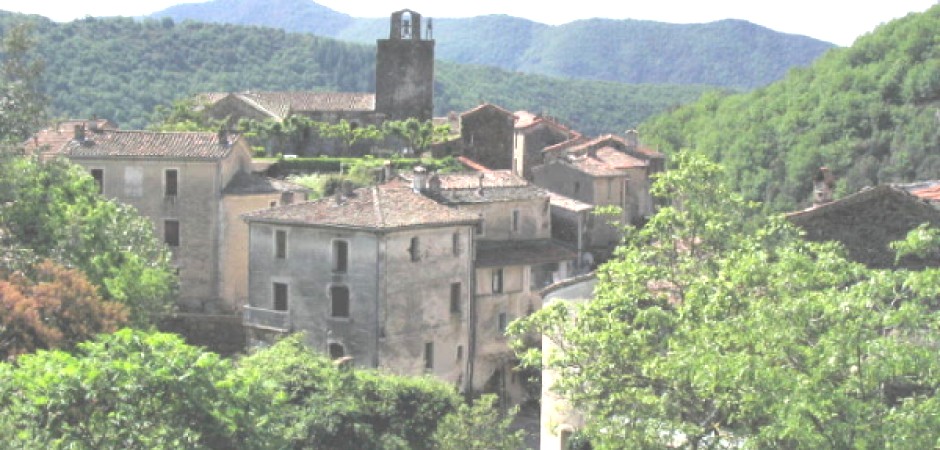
{"x": 714, "y": 328}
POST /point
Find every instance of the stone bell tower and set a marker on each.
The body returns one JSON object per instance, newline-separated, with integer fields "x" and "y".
{"x": 404, "y": 69}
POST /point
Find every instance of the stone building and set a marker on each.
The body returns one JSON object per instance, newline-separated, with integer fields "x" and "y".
{"x": 404, "y": 87}
{"x": 866, "y": 222}
{"x": 193, "y": 186}
{"x": 486, "y": 135}
{"x": 382, "y": 274}
{"x": 605, "y": 171}
{"x": 533, "y": 134}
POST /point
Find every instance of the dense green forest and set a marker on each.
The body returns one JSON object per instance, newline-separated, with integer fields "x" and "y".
{"x": 871, "y": 113}
{"x": 121, "y": 69}
{"x": 729, "y": 53}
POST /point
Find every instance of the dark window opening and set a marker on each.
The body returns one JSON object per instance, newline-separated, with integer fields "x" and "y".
{"x": 515, "y": 221}
{"x": 340, "y": 256}
{"x": 339, "y": 300}
{"x": 455, "y": 296}
{"x": 171, "y": 232}
{"x": 280, "y": 296}
{"x": 280, "y": 244}
{"x": 459, "y": 352}
{"x": 415, "y": 249}
{"x": 501, "y": 322}
{"x": 497, "y": 281}
{"x": 336, "y": 350}
{"x": 171, "y": 183}
{"x": 455, "y": 242}
{"x": 98, "y": 175}
{"x": 428, "y": 355}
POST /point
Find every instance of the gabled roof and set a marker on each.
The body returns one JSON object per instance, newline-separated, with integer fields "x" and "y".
{"x": 486, "y": 107}
{"x": 612, "y": 140}
{"x": 866, "y": 223}
{"x": 490, "y": 179}
{"x": 281, "y": 104}
{"x": 385, "y": 207}
{"x": 926, "y": 190}
{"x": 526, "y": 120}
{"x": 52, "y": 139}
{"x": 479, "y": 187}
{"x": 150, "y": 144}
{"x": 605, "y": 162}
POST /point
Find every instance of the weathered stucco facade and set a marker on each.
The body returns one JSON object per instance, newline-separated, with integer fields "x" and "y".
{"x": 486, "y": 134}
{"x": 532, "y": 135}
{"x": 382, "y": 275}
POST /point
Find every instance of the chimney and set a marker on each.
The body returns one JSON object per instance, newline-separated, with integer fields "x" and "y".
{"x": 80, "y": 133}
{"x": 633, "y": 139}
{"x": 223, "y": 135}
{"x": 823, "y": 183}
{"x": 420, "y": 181}
{"x": 388, "y": 172}
{"x": 434, "y": 183}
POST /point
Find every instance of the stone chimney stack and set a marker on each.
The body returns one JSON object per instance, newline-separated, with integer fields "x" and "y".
{"x": 420, "y": 180}
{"x": 633, "y": 139}
{"x": 79, "y": 133}
{"x": 388, "y": 172}
{"x": 823, "y": 183}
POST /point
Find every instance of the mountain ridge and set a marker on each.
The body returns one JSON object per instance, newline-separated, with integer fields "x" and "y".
{"x": 730, "y": 53}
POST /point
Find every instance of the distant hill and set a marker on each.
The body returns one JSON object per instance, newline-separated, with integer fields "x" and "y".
{"x": 120, "y": 69}
{"x": 730, "y": 53}
{"x": 871, "y": 113}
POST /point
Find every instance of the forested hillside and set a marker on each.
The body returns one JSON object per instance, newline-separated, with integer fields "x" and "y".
{"x": 121, "y": 69}
{"x": 871, "y": 113}
{"x": 730, "y": 53}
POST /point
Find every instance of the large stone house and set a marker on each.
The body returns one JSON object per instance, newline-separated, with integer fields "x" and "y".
{"x": 533, "y": 134}
{"x": 419, "y": 275}
{"x": 605, "y": 171}
{"x": 193, "y": 186}
{"x": 486, "y": 134}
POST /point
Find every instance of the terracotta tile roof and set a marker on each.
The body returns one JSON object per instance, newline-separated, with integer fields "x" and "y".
{"x": 605, "y": 162}
{"x": 150, "y": 144}
{"x": 485, "y": 106}
{"x": 523, "y": 252}
{"x": 471, "y": 164}
{"x": 372, "y": 208}
{"x": 487, "y": 194}
{"x": 928, "y": 190}
{"x": 491, "y": 179}
{"x": 616, "y": 141}
{"x": 51, "y": 140}
{"x": 286, "y": 102}
{"x": 526, "y": 120}
{"x": 568, "y": 203}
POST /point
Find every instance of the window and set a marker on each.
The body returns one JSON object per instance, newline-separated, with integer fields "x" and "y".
{"x": 577, "y": 187}
{"x": 280, "y": 296}
{"x": 455, "y": 297}
{"x": 280, "y": 244}
{"x": 514, "y": 227}
{"x": 428, "y": 355}
{"x": 170, "y": 182}
{"x": 455, "y": 243}
{"x": 339, "y": 302}
{"x": 98, "y": 176}
{"x": 498, "y": 280}
{"x": 478, "y": 227}
{"x": 610, "y": 189}
{"x": 459, "y": 352}
{"x": 501, "y": 322}
{"x": 171, "y": 232}
{"x": 340, "y": 256}
{"x": 415, "y": 249}
{"x": 336, "y": 350}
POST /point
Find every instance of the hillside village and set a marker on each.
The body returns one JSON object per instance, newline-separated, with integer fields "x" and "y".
{"x": 422, "y": 272}
{"x": 419, "y": 274}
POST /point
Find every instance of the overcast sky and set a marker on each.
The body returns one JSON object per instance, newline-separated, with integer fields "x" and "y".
{"x": 836, "y": 21}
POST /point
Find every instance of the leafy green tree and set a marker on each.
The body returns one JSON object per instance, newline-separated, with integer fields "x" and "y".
{"x": 342, "y": 408}
{"x": 417, "y": 135}
{"x": 183, "y": 115}
{"x": 478, "y": 427}
{"x": 349, "y": 134}
{"x": 133, "y": 389}
{"x": 22, "y": 104}
{"x": 714, "y": 328}
{"x": 53, "y": 209}
{"x": 57, "y": 308}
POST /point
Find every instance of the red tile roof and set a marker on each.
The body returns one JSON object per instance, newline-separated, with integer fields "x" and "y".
{"x": 607, "y": 161}
{"x": 614, "y": 140}
{"x": 471, "y": 180}
{"x": 150, "y": 144}
{"x": 471, "y": 164}
{"x": 374, "y": 208}
{"x": 485, "y": 106}
{"x": 930, "y": 193}
{"x": 52, "y": 139}
{"x": 282, "y": 104}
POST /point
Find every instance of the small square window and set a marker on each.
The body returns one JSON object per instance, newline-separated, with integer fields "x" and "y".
{"x": 339, "y": 302}
{"x": 171, "y": 183}
{"x": 98, "y": 176}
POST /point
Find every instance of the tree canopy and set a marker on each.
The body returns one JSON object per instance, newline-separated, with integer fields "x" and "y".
{"x": 714, "y": 327}
{"x": 867, "y": 112}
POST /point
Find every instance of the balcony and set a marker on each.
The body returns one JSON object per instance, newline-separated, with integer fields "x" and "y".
{"x": 268, "y": 319}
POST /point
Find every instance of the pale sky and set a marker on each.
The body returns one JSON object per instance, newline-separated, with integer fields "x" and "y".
{"x": 836, "y": 21}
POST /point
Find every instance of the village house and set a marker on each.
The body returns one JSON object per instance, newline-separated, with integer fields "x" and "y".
{"x": 425, "y": 272}
{"x": 193, "y": 186}
{"x": 533, "y": 134}
{"x": 605, "y": 171}
{"x": 486, "y": 134}
{"x": 866, "y": 222}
